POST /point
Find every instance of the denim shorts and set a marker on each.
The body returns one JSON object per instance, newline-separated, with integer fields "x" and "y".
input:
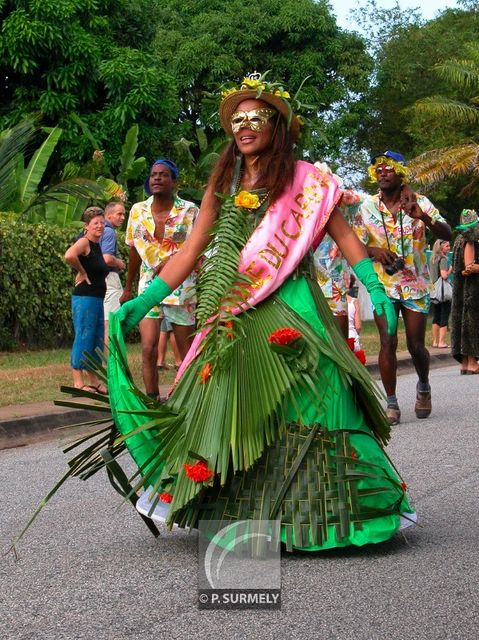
{"x": 89, "y": 327}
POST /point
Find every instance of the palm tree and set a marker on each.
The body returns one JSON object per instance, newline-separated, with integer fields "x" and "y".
{"x": 462, "y": 157}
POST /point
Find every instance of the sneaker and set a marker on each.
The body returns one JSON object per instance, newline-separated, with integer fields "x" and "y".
{"x": 423, "y": 405}
{"x": 393, "y": 414}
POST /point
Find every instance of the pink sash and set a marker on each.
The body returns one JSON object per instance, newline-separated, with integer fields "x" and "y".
{"x": 289, "y": 228}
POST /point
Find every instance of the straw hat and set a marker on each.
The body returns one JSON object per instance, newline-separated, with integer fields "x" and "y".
{"x": 254, "y": 87}
{"x": 468, "y": 219}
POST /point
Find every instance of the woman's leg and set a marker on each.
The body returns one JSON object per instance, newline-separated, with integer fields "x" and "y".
{"x": 436, "y": 314}
{"x": 99, "y": 341}
{"x": 75, "y": 355}
{"x": 435, "y": 334}
{"x": 445, "y": 310}
{"x": 87, "y": 313}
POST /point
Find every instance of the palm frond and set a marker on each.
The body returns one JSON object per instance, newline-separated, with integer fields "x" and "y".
{"x": 435, "y": 165}
{"x": 443, "y": 107}
{"x": 462, "y": 73}
{"x": 220, "y": 286}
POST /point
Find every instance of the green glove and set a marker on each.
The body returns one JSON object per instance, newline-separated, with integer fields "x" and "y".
{"x": 134, "y": 310}
{"x": 364, "y": 271}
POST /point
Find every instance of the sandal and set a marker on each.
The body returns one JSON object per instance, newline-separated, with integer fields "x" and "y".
{"x": 89, "y": 387}
{"x": 100, "y": 388}
{"x": 442, "y": 346}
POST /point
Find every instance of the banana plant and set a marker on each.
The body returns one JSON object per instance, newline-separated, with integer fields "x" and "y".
{"x": 196, "y": 168}
{"x": 13, "y": 143}
{"x": 21, "y": 192}
{"x": 131, "y": 168}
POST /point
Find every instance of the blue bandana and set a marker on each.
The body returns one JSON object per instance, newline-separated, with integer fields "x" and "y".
{"x": 171, "y": 166}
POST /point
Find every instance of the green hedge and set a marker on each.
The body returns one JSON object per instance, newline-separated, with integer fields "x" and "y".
{"x": 36, "y": 284}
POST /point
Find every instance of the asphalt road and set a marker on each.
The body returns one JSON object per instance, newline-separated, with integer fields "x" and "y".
{"x": 89, "y": 568}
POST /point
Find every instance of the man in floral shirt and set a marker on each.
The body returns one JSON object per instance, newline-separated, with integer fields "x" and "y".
{"x": 392, "y": 224}
{"x": 157, "y": 228}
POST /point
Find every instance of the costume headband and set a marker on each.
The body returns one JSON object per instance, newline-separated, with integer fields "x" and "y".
{"x": 399, "y": 168}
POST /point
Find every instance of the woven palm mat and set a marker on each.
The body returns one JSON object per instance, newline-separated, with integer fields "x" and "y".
{"x": 308, "y": 479}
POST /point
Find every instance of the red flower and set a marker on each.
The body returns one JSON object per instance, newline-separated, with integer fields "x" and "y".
{"x": 403, "y": 486}
{"x": 169, "y": 245}
{"x": 284, "y": 336}
{"x": 198, "y": 472}
{"x": 350, "y": 342}
{"x": 354, "y": 455}
{"x": 205, "y": 373}
{"x": 166, "y": 497}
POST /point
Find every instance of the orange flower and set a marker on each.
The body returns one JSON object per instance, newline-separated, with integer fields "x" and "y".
{"x": 247, "y": 200}
{"x": 198, "y": 472}
{"x": 205, "y": 373}
{"x": 229, "y": 325}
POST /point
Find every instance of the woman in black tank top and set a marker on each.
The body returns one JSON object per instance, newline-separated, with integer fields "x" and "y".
{"x": 86, "y": 258}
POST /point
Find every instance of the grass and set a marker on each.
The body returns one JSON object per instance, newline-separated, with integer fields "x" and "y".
{"x": 35, "y": 376}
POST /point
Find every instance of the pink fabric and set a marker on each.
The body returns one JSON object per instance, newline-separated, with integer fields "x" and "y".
{"x": 294, "y": 223}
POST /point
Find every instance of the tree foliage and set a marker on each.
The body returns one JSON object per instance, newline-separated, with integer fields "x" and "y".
{"x": 404, "y": 74}
{"x": 460, "y": 157}
{"x": 92, "y": 58}
{"x": 205, "y": 43}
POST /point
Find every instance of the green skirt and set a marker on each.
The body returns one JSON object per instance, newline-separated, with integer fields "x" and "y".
{"x": 260, "y": 431}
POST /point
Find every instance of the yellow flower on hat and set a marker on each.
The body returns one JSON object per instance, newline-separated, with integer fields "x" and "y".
{"x": 282, "y": 94}
{"x": 252, "y": 83}
{"x": 247, "y": 200}
{"x": 227, "y": 92}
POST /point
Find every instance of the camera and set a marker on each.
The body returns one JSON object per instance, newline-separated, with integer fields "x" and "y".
{"x": 396, "y": 266}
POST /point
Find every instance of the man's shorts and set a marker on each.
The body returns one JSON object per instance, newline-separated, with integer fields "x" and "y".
{"x": 421, "y": 305}
{"x": 176, "y": 314}
{"x": 113, "y": 293}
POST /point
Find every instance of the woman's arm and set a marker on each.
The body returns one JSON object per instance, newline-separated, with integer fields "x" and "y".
{"x": 468, "y": 253}
{"x": 357, "y": 317}
{"x": 444, "y": 272}
{"x": 470, "y": 266}
{"x": 80, "y": 248}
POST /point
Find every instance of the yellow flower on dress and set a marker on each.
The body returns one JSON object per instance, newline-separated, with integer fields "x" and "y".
{"x": 247, "y": 200}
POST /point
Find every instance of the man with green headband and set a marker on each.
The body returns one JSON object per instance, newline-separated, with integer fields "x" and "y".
{"x": 392, "y": 224}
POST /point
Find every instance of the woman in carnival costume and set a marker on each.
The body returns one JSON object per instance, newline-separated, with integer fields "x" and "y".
{"x": 271, "y": 416}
